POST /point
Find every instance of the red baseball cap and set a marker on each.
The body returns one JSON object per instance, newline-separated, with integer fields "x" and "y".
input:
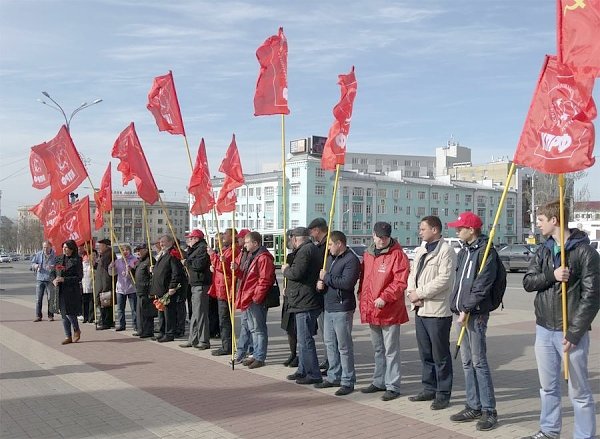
{"x": 196, "y": 233}
{"x": 467, "y": 219}
{"x": 242, "y": 233}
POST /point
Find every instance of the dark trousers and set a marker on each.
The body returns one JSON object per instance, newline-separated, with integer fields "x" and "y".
{"x": 87, "y": 305}
{"x": 225, "y": 325}
{"x": 145, "y": 315}
{"x": 213, "y": 317}
{"x": 433, "y": 340}
{"x": 168, "y": 320}
{"x": 106, "y": 317}
{"x": 181, "y": 313}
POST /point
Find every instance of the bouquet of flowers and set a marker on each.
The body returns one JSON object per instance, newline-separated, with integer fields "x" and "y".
{"x": 161, "y": 302}
{"x": 59, "y": 269}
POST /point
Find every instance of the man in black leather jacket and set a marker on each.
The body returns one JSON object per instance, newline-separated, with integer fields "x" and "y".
{"x": 143, "y": 279}
{"x": 545, "y": 276}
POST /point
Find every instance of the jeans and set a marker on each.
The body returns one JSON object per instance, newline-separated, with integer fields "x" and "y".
{"x": 244, "y": 341}
{"x": 68, "y": 321}
{"x": 306, "y": 328}
{"x": 549, "y": 356}
{"x": 121, "y": 299}
{"x": 199, "y": 322}
{"x": 225, "y": 325}
{"x": 340, "y": 348}
{"x": 43, "y": 286}
{"x": 473, "y": 352}
{"x": 257, "y": 324}
{"x": 386, "y": 344}
{"x": 433, "y": 340}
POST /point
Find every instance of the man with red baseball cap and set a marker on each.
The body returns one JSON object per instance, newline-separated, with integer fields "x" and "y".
{"x": 198, "y": 265}
{"x": 472, "y": 296}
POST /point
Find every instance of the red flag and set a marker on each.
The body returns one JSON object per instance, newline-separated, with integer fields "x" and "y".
{"x": 200, "y": 186}
{"x": 271, "y": 96}
{"x": 164, "y": 106}
{"x": 39, "y": 173}
{"x": 103, "y": 198}
{"x": 48, "y": 211}
{"x": 63, "y": 164}
{"x": 558, "y": 136}
{"x": 231, "y": 166}
{"x": 134, "y": 165}
{"x": 73, "y": 223}
{"x": 334, "y": 151}
{"x": 579, "y": 35}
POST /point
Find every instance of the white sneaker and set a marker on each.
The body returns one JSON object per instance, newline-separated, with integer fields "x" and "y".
{"x": 80, "y": 318}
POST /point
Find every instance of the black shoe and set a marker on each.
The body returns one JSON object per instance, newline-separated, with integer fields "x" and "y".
{"x": 256, "y": 364}
{"x": 295, "y": 376}
{"x": 202, "y": 347}
{"x": 158, "y": 337}
{"x": 440, "y": 403}
{"x": 488, "y": 420}
{"x": 294, "y": 362}
{"x": 220, "y": 352}
{"x": 146, "y": 336}
{"x": 324, "y": 365}
{"x": 372, "y": 389}
{"x": 307, "y": 380}
{"x": 422, "y": 396}
{"x": 344, "y": 390}
{"x": 135, "y": 334}
{"x": 120, "y": 329}
{"x": 326, "y": 384}
{"x": 165, "y": 339}
{"x": 389, "y": 395}
{"x": 187, "y": 345}
{"x": 248, "y": 361}
{"x": 287, "y": 362}
{"x": 466, "y": 415}
{"x": 101, "y": 328}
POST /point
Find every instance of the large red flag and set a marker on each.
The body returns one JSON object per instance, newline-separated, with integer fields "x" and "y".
{"x": 271, "y": 96}
{"x": 164, "y": 106}
{"x": 48, "y": 211}
{"x": 579, "y": 35}
{"x": 73, "y": 223}
{"x": 134, "y": 165}
{"x": 103, "y": 198}
{"x": 39, "y": 173}
{"x": 558, "y": 136}
{"x": 200, "y": 186}
{"x": 63, "y": 164}
{"x": 334, "y": 151}
{"x": 231, "y": 166}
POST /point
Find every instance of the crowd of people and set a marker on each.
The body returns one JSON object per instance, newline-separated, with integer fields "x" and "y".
{"x": 324, "y": 282}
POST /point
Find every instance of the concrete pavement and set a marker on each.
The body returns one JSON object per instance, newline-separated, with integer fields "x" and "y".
{"x": 114, "y": 385}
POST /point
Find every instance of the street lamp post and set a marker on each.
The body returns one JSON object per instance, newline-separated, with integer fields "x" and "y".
{"x": 58, "y": 108}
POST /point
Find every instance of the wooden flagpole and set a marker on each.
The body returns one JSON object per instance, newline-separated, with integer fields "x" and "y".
{"x": 563, "y": 263}
{"x": 488, "y": 247}
{"x": 284, "y": 192}
{"x": 232, "y": 302}
{"x": 331, "y": 210}
{"x": 112, "y": 280}
{"x": 171, "y": 229}
{"x": 145, "y": 215}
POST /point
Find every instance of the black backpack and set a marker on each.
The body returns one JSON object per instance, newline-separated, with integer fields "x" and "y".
{"x": 499, "y": 285}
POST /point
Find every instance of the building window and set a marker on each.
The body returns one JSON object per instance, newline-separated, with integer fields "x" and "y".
{"x": 406, "y": 162}
{"x": 160, "y": 221}
{"x": 355, "y": 160}
{"x": 435, "y": 211}
{"x": 458, "y": 198}
{"x": 320, "y": 172}
{"x": 295, "y": 172}
{"x": 258, "y": 191}
{"x": 356, "y": 225}
{"x": 295, "y": 223}
{"x": 357, "y": 192}
{"x": 295, "y": 207}
{"x": 269, "y": 207}
{"x": 251, "y": 192}
{"x": 468, "y": 199}
{"x": 408, "y": 195}
{"x": 435, "y": 196}
{"x": 446, "y": 197}
{"x": 396, "y": 194}
{"x": 382, "y": 193}
{"x": 269, "y": 191}
{"x": 381, "y": 209}
{"x": 408, "y": 210}
{"x": 243, "y": 194}
{"x": 420, "y": 212}
{"x": 295, "y": 189}
{"x": 421, "y": 195}
{"x": 364, "y": 161}
{"x": 357, "y": 207}
{"x": 396, "y": 210}
{"x": 319, "y": 189}
{"x": 369, "y": 209}
{"x": 320, "y": 207}
{"x": 345, "y": 191}
{"x": 159, "y": 230}
{"x": 369, "y": 192}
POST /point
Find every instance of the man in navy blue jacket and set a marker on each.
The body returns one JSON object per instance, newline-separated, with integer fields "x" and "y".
{"x": 337, "y": 282}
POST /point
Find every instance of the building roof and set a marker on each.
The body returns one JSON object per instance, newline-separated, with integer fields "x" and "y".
{"x": 587, "y": 205}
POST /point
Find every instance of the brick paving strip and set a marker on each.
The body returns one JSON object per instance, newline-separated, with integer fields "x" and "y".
{"x": 216, "y": 400}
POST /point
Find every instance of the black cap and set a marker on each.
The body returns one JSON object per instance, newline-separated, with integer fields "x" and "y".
{"x": 104, "y": 241}
{"x": 317, "y": 222}
{"x": 382, "y": 229}
{"x": 300, "y": 231}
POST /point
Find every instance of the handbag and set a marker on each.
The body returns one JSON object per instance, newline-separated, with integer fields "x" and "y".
{"x": 105, "y": 299}
{"x": 272, "y": 300}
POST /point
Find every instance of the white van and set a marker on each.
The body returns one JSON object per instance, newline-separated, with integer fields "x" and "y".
{"x": 454, "y": 243}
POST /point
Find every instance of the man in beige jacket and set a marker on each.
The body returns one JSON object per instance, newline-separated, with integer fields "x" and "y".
{"x": 429, "y": 287}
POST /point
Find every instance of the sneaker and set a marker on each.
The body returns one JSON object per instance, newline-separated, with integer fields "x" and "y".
{"x": 422, "y": 396}
{"x": 220, "y": 352}
{"x": 256, "y": 364}
{"x": 187, "y": 345}
{"x": 202, "y": 347}
{"x": 38, "y": 319}
{"x": 67, "y": 340}
{"x": 541, "y": 435}
{"x": 344, "y": 390}
{"x": 248, "y": 361}
{"x": 326, "y": 384}
{"x": 295, "y": 376}
{"x": 466, "y": 415}
{"x": 80, "y": 318}
{"x": 440, "y": 404}
{"x": 488, "y": 421}
{"x": 372, "y": 389}
{"x": 389, "y": 395}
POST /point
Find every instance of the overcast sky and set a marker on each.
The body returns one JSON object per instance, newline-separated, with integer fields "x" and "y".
{"x": 426, "y": 71}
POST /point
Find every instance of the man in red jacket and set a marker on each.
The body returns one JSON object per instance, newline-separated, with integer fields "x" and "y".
{"x": 257, "y": 275}
{"x": 383, "y": 283}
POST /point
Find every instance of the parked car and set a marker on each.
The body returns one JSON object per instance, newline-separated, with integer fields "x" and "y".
{"x": 516, "y": 257}
{"x": 26, "y": 257}
{"x": 358, "y": 250}
{"x": 410, "y": 251}
{"x": 595, "y": 244}
{"x": 5, "y": 258}
{"x": 454, "y": 243}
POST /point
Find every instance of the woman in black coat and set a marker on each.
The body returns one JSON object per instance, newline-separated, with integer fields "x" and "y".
{"x": 69, "y": 272}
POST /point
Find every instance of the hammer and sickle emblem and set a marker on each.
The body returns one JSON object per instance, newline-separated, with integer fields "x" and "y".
{"x": 576, "y": 4}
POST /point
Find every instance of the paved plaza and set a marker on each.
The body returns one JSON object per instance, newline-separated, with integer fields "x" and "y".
{"x": 114, "y": 385}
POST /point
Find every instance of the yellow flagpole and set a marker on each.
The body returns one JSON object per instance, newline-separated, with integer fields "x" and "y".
{"x": 232, "y": 302}
{"x": 563, "y": 263}
{"x": 284, "y": 192}
{"x": 171, "y": 229}
{"x": 91, "y": 261}
{"x": 112, "y": 281}
{"x": 331, "y": 210}
{"x": 488, "y": 247}
{"x": 145, "y": 215}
